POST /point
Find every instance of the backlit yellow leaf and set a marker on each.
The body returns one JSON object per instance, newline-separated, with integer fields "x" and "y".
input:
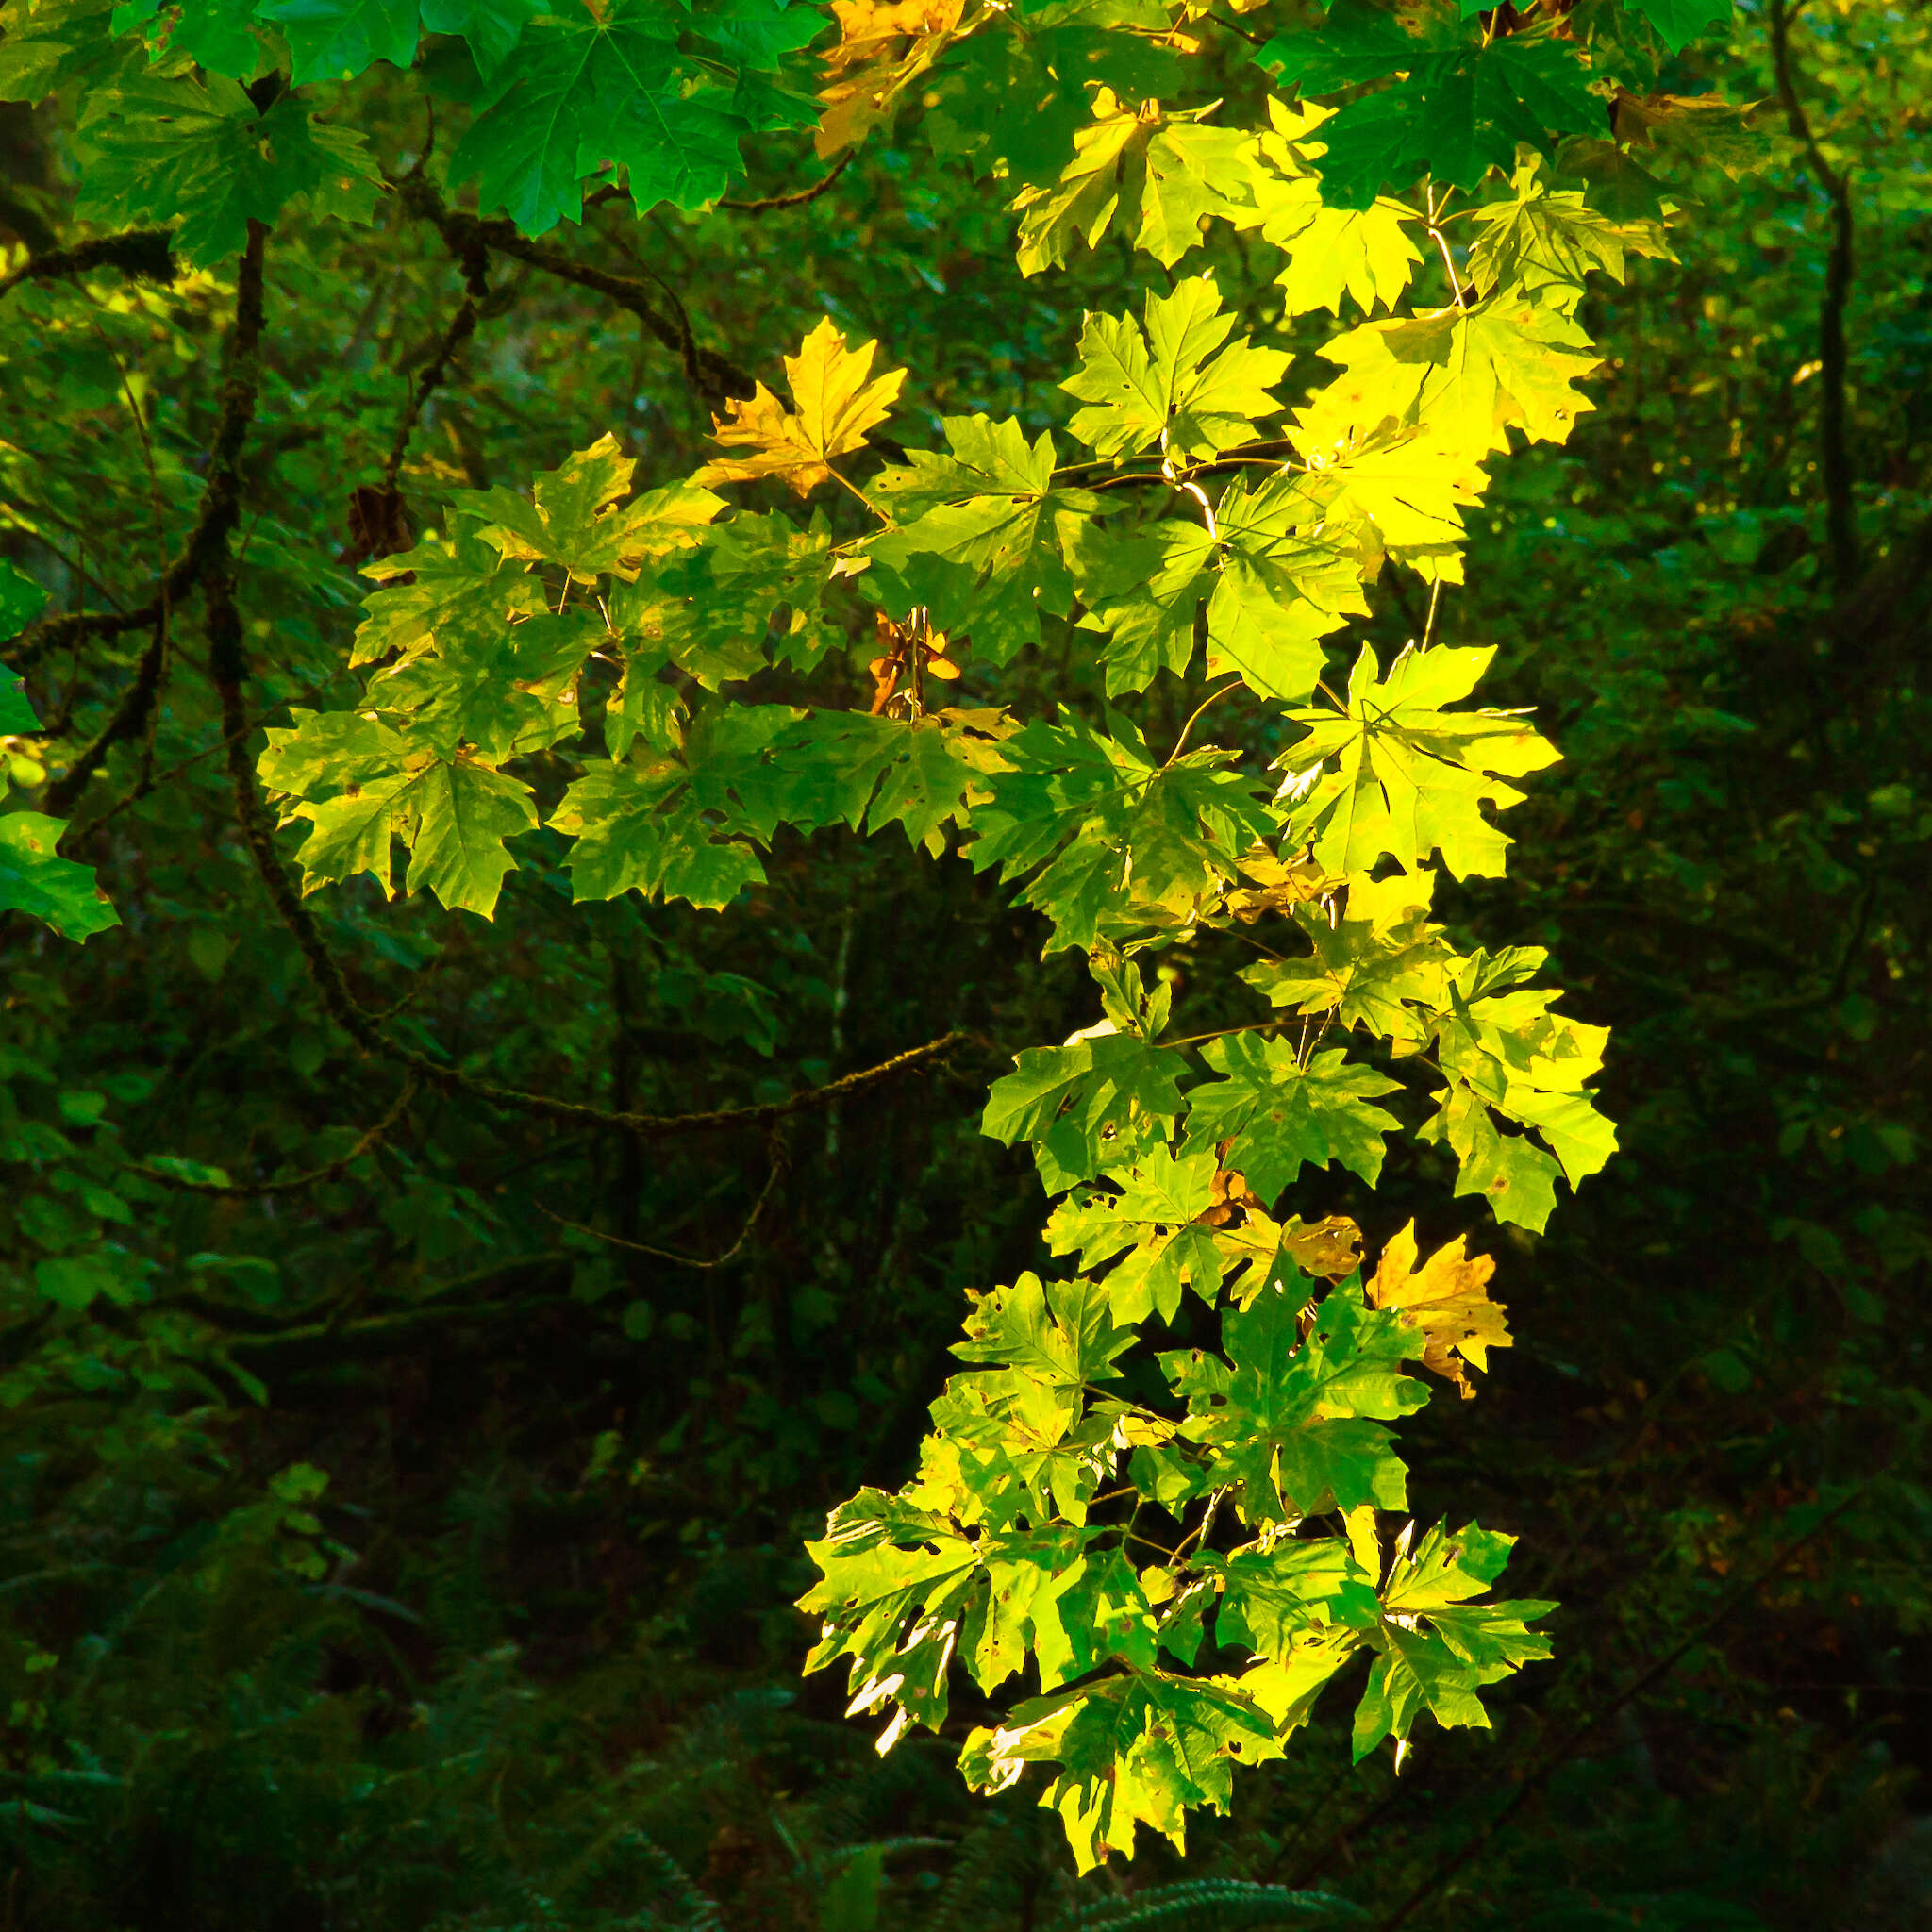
{"x": 884, "y": 45}
{"x": 835, "y": 405}
{"x": 1447, "y": 1299}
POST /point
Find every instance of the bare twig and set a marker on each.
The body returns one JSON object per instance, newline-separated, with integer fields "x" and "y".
{"x": 215, "y": 518}
{"x": 462, "y": 327}
{"x": 716, "y": 376}
{"x": 370, "y": 1141}
{"x": 142, "y": 254}
{"x": 798, "y": 197}
{"x": 780, "y": 1163}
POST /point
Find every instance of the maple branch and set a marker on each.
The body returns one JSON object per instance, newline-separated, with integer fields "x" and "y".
{"x": 370, "y": 1141}
{"x": 218, "y": 512}
{"x": 715, "y": 376}
{"x": 216, "y": 517}
{"x": 228, "y": 666}
{"x": 798, "y": 197}
{"x": 462, "y": 327}
{"x": 142, "y": 254}
{"x": 780, "y": 1164}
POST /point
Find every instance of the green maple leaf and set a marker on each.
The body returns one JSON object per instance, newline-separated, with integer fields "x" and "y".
{"x": 17, "y": 718}
{"x": 36, "y": 880}
{"x": 1152, "y": 1221}
{"x": 362, "y": 783}
{"x": 1379, "y": 954}
{"x": 492, "y": 27}
{"x": 162, "y": 150}
{"x": 1022, "y": 93}
{"x": 1464, "y": 376}
{"x": 1506, "y": 1054}
{"x": 979, "y": 536}
{"x": 571, "y": 518}
{"x": 1176, "y": 171}
{"x": 1273, "y": 1598}
{"x": 1294, "y": 1425}
{"x": 1546, "y": 236}
{"x": 1108, "y": 155}
{"x": 1680, "y": 22}
{"x": 507, "y": 695}
{"x": 1281, "y": 1115}
{"x": 47, "y": 44}
{"x": 638, "y": 829}
{"x": 21, "y": 600}
{"x": 1143, "y": 588}
{"x": 1132, "y": 843}
{"x": 1366, "y": 254}
{"x": 880, "y": 770}
{"x": 1397, "y": 493}
{"x": 1136, "y": 1748}
{"x": 1280, "y": 592}
{"x": 321, "y": 749}
{"x": 708, "y": 605}
{"x": 1409, "y": 777}
{"x": 218, "y": 35}
{"x": 457, "y": 815}
{"x": 1271, "y": 592}
{"x": 1175, "y": 385}
{"x": 1009, "y": 1447}
{"x": 335, "y": 39}
{"x": 1462, "y": 105}
{"x": 1088, "y": 1103}
{"x": 1287, "y": 1689}
{"x": 1439, "y": 1649}
{"x": 589, "y": 88}
{"x": 450, "y": 590}
{"x": 1028, "y": 1574}
{"x": 1014, "y": 1430}
{"x": 1511, "y": 1172}
{"x": 885, "y": 1564}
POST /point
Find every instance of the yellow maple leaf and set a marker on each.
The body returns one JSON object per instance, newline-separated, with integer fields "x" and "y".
{"x": 883, "y": 46}
{"x": 835, "y": 405}
{"x": 1447, "y": 1299}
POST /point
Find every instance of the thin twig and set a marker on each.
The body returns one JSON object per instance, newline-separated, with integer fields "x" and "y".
{"x": 780, "y": 1164}
{"x": 370, "y": 1141}
{"x": 142, "y": 254}
{"x": 462, "y": 327}
{"x": 214, "y": 519}
{"x": 717, "y": 375}
{"x": 798, "y": 197}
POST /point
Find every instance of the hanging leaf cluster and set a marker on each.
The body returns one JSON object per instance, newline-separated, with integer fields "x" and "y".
{"x": 643, "y": 687}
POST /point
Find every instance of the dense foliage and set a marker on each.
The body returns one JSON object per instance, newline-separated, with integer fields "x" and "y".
{"x": 506, "y": 1154}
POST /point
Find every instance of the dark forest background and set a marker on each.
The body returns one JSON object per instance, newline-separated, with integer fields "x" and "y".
{"x": 397, "y": 1550}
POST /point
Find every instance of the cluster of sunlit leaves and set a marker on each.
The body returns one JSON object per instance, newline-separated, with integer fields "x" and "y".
{"x": 1183, "y": 1581}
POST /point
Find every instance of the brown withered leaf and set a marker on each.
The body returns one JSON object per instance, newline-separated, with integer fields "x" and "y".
{"x": 1278, "y": 884}
{"x": 883, "y": 47}
{"x": 1331, "y": 1247}
{"x": 835, "y": 406}
{"x": 1447, "y": 1299}
{"x": 1228, "y": 1191}
{"x": 908, "y": 650}
{"x": 1251, "y": 1251}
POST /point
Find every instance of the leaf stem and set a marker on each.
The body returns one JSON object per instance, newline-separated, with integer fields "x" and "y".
{"x": 1210, "y": 698}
